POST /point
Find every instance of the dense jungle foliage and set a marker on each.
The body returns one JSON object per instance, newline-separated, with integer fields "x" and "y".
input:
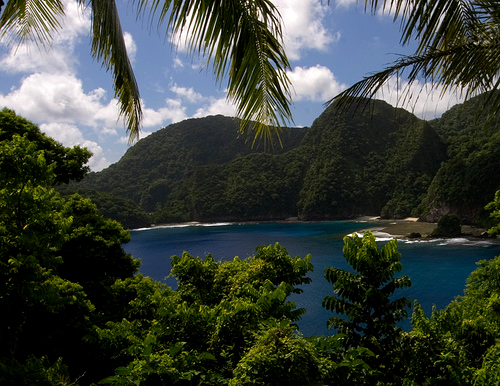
{"x": 77, "y": 312}
{"x": 375, "y": 160}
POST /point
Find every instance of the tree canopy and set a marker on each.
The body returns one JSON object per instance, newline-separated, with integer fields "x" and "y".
{"x": 79, "y": 313}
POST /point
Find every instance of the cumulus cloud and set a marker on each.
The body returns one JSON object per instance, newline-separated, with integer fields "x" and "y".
{"x": 55, "y": 97}
{"x": 130, "y": 46}
{"x": 173, "y": 111}
{"x": 70, "y": 135}
{"x": 187, "y": 93}
{"x": 423, "y": 100}
{"x": 303, "y": 26}
{"x": 317, "y": 83}
{"x": 215, "y": 107}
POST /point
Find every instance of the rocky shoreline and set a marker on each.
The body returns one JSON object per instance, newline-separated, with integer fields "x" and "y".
{"x": 410, "y": 228}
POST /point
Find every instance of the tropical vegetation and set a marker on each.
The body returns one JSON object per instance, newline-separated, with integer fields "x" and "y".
{"x": 79, "y": 312}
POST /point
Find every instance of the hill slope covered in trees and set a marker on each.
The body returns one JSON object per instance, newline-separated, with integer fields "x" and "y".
{"x": 378, "y": 160}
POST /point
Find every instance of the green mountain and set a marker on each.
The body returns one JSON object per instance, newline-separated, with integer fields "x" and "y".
{"x": 469, "y": 178}
{"x": 377, "y": 160}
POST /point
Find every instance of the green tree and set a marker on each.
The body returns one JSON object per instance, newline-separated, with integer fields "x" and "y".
{"x": 242, "y": 39}
{"x": 69, "y": 162}
{"x": 449, "y": 225}
{"x": 92, "y": 255}
{"x": 457, "y": 345}
{"x": 365, "y": 309}
{"x": 46, "y": 314}
{"x": 279, "y": 357}
{"x": 494, "y": 207}
{"x": 200, "y": 332}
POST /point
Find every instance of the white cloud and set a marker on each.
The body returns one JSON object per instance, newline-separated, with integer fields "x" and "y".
{"x": 345, "y": 3}
{"x": 69, "y": 135}
{"x": 303, "y": 26}
{"x": 178, "y": 62}
{"x": 316, "y": 83}
{"x": 29, "y": 58}
{"x": 187, "y": 93}
{"x": 56, "y": 98}
{"x": 423, "y": 100}
{"x": 215, "y": 107}
{"x": 173, "y": 111}
{"x": 76, "y": 21}
{"x": 130, "y": 46}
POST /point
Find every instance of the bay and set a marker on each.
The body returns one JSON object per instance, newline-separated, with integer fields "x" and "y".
{"x": 438, "y": 269}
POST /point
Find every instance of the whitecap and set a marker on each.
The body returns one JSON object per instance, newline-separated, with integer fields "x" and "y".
{"x": 379, "y": 236}
{"x": 215, "y": 224}
{"x": 465, "y": 242}
{"x": 184, "y": 225}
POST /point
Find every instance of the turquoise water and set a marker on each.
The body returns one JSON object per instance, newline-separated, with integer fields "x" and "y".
{"x": 438, "y": 269}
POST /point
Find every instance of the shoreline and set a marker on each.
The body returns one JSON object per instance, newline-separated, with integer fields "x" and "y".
{"x": 403, "y": 228}
{"x": 393, "y": 228}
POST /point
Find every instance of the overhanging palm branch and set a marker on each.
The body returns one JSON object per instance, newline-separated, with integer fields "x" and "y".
{"x": 108, "y": 46}
{"x": 458, "y": 49}
{"x": 30, "y": 20}
{"x": 242, "y": 40}
{"x": 36, "y": 20}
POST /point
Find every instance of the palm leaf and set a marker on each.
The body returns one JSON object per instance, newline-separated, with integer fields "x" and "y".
{"x": 242, "y": 40}
{"x": 108, "y": 46}
{"x": 459, "y": 46}
{"x": 30, "y": 20}
{"x": 468, "y": 69}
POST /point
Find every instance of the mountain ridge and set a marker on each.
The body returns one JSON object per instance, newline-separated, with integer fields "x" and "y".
{"x": 378, "y": 160}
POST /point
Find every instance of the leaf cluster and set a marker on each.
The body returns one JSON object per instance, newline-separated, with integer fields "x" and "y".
{"x": 364, "y": 307}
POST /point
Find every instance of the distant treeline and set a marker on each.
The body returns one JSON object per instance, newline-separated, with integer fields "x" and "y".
{"x": 372, "y": 159}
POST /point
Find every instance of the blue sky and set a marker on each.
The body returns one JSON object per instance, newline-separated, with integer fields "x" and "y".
{"x": 70, "y": 96}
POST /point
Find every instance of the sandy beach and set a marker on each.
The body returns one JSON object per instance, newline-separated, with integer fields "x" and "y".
{"x": 404, "y": 227}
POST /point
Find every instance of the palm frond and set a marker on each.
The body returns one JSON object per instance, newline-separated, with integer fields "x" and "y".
{"x": 468, "y": 69}
{"x": 30, "y": 20}
{"x": 458, "y": 51}
{"x": 242, "y": 40}
{"x": 434, "y": 23}
{"x": 108, "y": 46}
{"x": 439, "y": 23}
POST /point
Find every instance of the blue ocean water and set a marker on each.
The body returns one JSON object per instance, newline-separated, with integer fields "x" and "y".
{"x": 438, "y": 269}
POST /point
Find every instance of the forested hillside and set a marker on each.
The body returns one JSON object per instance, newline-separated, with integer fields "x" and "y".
{"x": 471, "y": 175}
{"x": 377, "y": 160}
